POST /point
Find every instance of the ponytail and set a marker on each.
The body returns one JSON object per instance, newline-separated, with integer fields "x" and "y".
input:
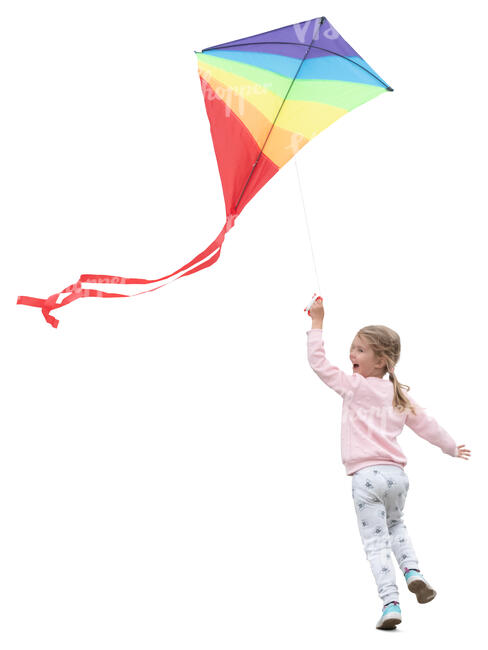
{"x": 400, "y": 401}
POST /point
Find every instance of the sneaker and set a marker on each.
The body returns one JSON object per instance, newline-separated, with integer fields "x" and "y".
{"x": 418, "y": 585}
{"x": 390, "y": 617}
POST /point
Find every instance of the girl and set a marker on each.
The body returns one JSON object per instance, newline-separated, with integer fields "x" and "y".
{"x": 373, "y": 415}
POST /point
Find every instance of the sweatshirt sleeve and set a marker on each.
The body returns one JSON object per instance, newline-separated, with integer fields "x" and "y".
{"x": 429, "y": 429}
{"x": 337, "y": 379}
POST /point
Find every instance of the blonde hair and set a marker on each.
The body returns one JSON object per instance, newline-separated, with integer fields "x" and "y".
{"x": 385, "y": 344}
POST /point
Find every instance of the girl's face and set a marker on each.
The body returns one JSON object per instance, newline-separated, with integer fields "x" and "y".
{"x": 364, "y": 361}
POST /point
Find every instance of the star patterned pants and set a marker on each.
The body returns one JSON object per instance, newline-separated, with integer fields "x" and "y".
{"x": 379, "y": 493}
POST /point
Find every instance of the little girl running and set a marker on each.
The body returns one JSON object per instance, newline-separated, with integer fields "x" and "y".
{"x": 373, "y": 415}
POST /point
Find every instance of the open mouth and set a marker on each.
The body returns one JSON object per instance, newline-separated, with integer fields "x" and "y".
{"x": 355, "y": 366}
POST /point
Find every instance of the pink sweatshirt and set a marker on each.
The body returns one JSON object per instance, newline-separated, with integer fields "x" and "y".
{"x": 370, "y": 422}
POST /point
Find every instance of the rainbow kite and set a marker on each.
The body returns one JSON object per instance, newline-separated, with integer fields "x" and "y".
{"x": 266, "y": 96}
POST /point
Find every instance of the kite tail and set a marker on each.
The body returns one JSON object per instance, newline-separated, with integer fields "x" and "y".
{"x": 77, "y": 290}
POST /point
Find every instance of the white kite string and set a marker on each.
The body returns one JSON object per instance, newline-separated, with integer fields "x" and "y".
{"x": 306, "y": 222}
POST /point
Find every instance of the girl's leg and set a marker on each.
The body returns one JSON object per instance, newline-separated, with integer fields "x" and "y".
{"x": 394, "y": 498}
{"x": 367, "y": 487}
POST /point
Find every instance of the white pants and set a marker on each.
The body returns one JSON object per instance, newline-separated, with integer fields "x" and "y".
{"x": 379, "y": 493}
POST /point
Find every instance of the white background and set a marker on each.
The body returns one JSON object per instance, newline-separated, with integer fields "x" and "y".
{"x": 170, "y": 464}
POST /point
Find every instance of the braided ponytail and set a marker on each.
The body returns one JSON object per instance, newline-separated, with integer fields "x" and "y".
{"x": 399, "y": 400}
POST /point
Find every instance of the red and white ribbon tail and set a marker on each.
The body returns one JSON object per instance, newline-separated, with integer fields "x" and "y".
{"x": 88, "y": 284}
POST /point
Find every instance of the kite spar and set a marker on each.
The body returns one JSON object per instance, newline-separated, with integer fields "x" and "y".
{"x": 266, "y": 96}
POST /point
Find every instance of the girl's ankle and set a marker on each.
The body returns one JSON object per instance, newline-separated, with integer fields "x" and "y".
{"x": 392, "y": 602}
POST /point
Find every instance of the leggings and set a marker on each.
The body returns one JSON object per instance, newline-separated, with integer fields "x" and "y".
{"x": 379, "y": 493}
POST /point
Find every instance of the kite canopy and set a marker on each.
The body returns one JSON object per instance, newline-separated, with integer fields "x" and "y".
{"x": 266, "y": 96}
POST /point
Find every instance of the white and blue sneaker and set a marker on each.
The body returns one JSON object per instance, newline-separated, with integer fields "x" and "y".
{"x": 390, "y": 617}
{"x": 418, "y": 585}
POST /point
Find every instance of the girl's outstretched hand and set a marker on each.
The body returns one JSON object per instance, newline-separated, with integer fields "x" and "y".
{"x": 317, "y": 310}
{"x": 463, "y": 453}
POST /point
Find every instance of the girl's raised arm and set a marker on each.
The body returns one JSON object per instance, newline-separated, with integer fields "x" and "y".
{"x": 337, "y": 379}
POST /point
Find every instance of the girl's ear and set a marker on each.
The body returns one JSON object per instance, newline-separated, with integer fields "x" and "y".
{"x": 382, "y": 363}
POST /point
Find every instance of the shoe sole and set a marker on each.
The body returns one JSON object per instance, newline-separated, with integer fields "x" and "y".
{"x": 422, "y": 590}
{"x": 389, "y": 623}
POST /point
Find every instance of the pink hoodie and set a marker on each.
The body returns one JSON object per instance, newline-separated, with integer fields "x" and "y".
{"x": 370, "y": 423}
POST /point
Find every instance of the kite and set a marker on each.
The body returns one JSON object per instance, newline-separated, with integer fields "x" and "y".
{"x": 266, "y": 96}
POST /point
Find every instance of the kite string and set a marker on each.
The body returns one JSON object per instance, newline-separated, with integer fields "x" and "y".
{"x": 308, "y": 228}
